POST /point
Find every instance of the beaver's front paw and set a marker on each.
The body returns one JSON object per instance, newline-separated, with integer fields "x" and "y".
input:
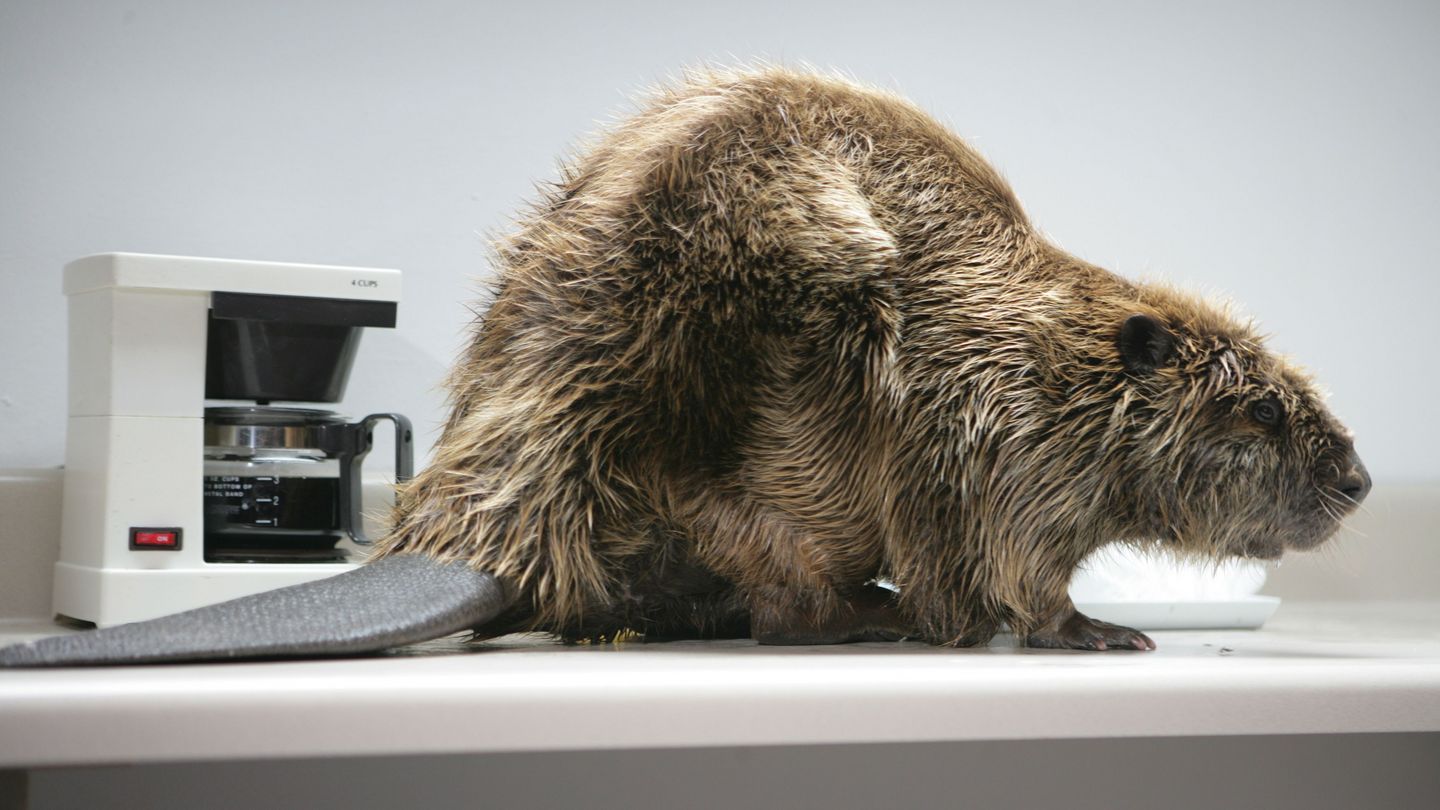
{"x": 1080, "y": 632}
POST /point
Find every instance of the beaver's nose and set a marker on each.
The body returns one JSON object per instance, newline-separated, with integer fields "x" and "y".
{"x": 1355, "y": 482}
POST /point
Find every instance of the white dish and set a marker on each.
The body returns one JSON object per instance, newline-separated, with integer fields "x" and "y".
{"x": 1241, "y": 613}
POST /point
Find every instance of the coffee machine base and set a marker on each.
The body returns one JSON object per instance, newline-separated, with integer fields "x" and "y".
{"x": 112, "y": 596}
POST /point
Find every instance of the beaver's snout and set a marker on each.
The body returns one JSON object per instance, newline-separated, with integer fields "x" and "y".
{"x": 1354, "y": 481}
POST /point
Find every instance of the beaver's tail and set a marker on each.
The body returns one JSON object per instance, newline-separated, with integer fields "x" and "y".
{"x": 394, "y": 601}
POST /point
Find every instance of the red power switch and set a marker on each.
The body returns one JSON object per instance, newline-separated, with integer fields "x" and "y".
{"x": 155, "y": 539}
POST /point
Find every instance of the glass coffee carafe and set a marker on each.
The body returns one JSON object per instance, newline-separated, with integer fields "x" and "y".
{"x": 283, "y": 484}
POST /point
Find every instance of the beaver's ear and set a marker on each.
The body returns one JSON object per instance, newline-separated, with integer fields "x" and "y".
{"x": 1145, "y": 344}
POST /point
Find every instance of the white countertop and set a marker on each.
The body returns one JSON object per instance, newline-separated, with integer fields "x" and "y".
{"x": 1358, "y": 667}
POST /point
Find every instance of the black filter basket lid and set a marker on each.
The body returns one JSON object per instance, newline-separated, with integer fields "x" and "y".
{"x": 285, "y": 348}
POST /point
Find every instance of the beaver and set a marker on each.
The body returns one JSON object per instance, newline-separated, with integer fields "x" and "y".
{"x": 780, "y": 336}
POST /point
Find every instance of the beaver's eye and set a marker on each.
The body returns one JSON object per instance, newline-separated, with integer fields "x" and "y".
{"x": 1266, "y": 412}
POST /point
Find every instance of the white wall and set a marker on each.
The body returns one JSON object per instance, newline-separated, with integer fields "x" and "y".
{"x": 1282, "y": 153}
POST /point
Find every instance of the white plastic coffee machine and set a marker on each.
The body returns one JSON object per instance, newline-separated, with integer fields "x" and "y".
{"x": 151, "y": 338}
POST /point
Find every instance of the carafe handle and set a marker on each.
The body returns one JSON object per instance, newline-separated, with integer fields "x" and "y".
{"x": 364, "y": 440}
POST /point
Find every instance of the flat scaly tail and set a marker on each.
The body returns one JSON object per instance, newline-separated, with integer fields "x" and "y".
{"x": 388, "y": 603}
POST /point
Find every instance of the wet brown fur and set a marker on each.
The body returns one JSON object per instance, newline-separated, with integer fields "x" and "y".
{"x": 779, "y": 335}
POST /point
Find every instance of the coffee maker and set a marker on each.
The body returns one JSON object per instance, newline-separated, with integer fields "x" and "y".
{"x": 184, "y": 485}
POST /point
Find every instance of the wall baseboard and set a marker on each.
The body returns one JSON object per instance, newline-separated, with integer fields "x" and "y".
{"x": 30, "y": 536}
{"x": 1386, "y": 553}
